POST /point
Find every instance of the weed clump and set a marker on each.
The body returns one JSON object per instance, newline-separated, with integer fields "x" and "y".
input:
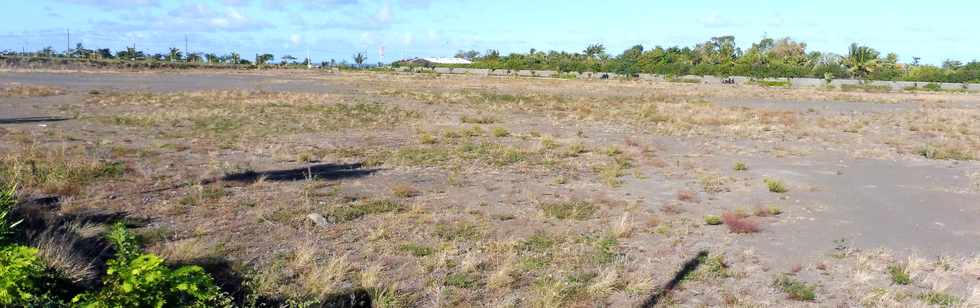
{"x": 404, "y": 191}
{"x": 939, "y": 299}
{"x": 946, "y": 153}
{"x": 711, "y": 267}
{"x": 899, "y": 274}
{"x": 426, "y": 138}
{"x": 775, "y": 186}
{"x": 458, "y": 231}
{"x": 416, "y": 249}
{"x": 499, "y": 132}
{"x": 461, "y": 280}
{"x": 575, "y": 209}
{"x": 740, "y": 166}
{"x": 712, "y": 220}
{"x": 795, "y": 289}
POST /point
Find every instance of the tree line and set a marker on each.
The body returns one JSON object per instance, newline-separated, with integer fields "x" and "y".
{"x": 176, "y": 55}
{"x": 719, "y": 56}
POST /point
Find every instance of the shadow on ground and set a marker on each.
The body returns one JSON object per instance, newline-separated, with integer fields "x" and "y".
{"x": 229, "y": 276}
{"x": 31, "y": 120}
{"x": 315, "y": 172}
{"x": 44, "y": 224}
{"x": 690, "y": 266}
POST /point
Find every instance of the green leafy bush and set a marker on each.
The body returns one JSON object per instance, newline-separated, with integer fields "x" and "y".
{"x": 136, "y": 279}
{"x": 20, "y": 268}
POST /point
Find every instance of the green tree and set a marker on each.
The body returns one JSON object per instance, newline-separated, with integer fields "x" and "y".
{"x": 175, "y": 54}
{"x": 861, "y": 61}
{"x": 264, "y": 58}
{"x": 594, "y": 50}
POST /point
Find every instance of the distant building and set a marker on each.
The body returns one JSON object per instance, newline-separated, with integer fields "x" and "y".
{"x": 430, "y": 62}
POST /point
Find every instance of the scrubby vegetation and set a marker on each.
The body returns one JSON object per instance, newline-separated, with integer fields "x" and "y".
{"x": 133, "y": 278}
{"x": 719, "y": 56}
{"x": 794, "y": 288}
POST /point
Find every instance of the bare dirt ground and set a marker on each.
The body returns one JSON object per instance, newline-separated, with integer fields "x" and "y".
{"x": 466, "y": 191}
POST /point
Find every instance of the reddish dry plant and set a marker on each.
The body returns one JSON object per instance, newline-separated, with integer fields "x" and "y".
{"x": 631, "y": 143}
{"x": 796, "y": 269}
{"x": 686, "y": 196}
{"x": 737, "y": 224}
{"x": 659, "y": 163}
{"x": 822, "y": 266}
{"x": 672, "y": 209}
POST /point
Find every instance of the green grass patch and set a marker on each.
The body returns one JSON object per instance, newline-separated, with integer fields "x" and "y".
{"x": 795, "y": 289}
{"x": 360, "y": 209}
{"x": 940, "y": 299}
{"x": 899, "y": 274}
{"x": 711, "y": 267}
{"x": 462, "y": 280}
{"x": 416, "y": 249}
{"x": 457, "y": 231}
{"x": 574, "y": 209}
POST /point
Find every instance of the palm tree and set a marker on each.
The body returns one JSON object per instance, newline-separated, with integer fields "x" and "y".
{"x": 594, "y": 50}
{"x": 236, "y": 58}
{"x": 359, "y": 58}
{"x": 861, "y": 61}
{"x": 212, "y": 58}
{"x": 174, "y": 54}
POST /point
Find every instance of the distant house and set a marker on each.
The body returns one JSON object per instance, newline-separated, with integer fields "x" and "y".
{"x": 430, "y": 62}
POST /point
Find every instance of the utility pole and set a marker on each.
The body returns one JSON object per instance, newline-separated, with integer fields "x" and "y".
{"x": 67, "y": 42}
{"x": 187, "y": 50}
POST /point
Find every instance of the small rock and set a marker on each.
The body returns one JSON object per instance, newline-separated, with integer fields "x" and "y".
{"x": 318, "y": 220}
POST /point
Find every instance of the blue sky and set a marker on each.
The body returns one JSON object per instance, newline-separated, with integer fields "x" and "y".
{"x": 327, "y": 29}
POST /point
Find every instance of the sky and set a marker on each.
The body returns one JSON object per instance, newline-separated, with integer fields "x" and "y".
{"x": 336, "y": 29}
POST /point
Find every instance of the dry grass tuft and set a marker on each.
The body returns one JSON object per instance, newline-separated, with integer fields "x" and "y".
{"x": 573, "y": 209}
{"x": 404, "y": 191}
{"x": 57, "y": 251}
